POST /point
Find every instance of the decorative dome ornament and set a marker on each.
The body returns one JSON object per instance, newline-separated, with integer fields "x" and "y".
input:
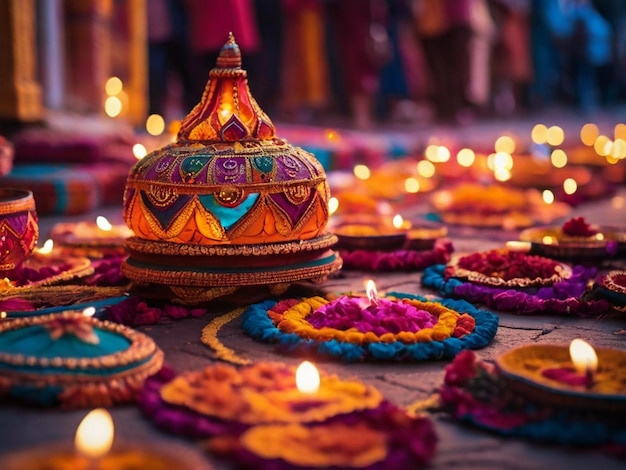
{"x": 229, "y": 204}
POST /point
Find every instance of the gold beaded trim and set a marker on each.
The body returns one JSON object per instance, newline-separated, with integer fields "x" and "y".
{"x": 21, "y": 201}
{"x": 139, "y": 372}
{"x": 609, "y": 282}
{"x": 63, "y": 295}
{"x": 195, "y": 279}
{"x": 140, "y": 348}
{"x": 562, "y": 272}
{"x": 176, "y": 249}
{"x": 81, "y": 267}
{"x": 186, "y": 188}
{"x": 196, "y": 295}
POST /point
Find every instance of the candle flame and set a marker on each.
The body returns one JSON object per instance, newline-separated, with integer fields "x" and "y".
{"x": 103, "y": 223}
{"x": 46, "y": 249}
{"x": 519, "y": 246}
{"x": 307, "y": 378}
{"x": 583, "y": 356}
{"x": 94, "y": 435}
{"x": 372, "y": 294}
{"x": 89, "y": 311}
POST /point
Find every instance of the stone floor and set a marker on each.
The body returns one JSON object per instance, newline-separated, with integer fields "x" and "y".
{"x": 460, "y": 446}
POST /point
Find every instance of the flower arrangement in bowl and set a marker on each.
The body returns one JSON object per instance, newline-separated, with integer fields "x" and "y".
{"x": 576, "y": 239}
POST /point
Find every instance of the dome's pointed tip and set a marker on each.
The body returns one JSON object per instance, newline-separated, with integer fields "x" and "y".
{"x": 230, "y": 55}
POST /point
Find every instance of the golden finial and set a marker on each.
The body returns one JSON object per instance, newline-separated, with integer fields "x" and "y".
{"x": 230, "y": 55}
{"x": 227, "y": 111}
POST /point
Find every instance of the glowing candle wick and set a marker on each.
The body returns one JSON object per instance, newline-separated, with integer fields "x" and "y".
{"x": 372, "y": 295}
{"x": 307, "y": 378}
{"x": 46, "y": 249}
{"x": 103, "y": 223}
{"x": 94, "y": 435}
{"x": 584, "y": 358}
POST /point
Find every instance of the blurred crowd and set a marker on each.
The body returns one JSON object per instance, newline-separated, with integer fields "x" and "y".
{"x": 450, "y": 61}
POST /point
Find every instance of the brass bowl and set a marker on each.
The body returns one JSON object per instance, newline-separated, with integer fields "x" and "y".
{"x": 522, "y": 367}
{"x": 552, "y": 242}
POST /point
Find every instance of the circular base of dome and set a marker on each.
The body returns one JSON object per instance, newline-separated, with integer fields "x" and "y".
{"x": 194, "y": 274}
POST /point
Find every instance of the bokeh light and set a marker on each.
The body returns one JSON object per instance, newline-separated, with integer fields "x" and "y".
{"x": 362, "y": 172}
{"x": 113, "y": 86}
{"x": 139, "y": 151}
{"x": 425, "y": 168}
{"x": 113, "y": 106}
{"x": 155, "y": 124}
{"x": 411, "y": 185}
{"x": 466, "y": 157}
{"x": 548, "y": 196}
{"x": 539, "y": 134}
{"x": 570, "y": 186}
{"x": 602, "y": 145}
{"x": 589, "y": 133}
{"x": 505, "y": 144}
{"x": 333, "y": 205}
{"x": 558, "y": 158}
{"x": 502, "y": 174}
{"x": 555, "y": 135}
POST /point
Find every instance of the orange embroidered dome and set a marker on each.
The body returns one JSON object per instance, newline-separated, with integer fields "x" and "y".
{"x": 228, "y": 178}
{"x": 229, "y": 199}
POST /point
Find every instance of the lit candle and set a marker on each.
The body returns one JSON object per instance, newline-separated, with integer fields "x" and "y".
{"x": 307, "y": 378}
{"x": 47, "y": 247}
{"x": 94, "y": 450}
{"x": 514, "y": 245}
{"x": 87, "y": 238}
{"x": 584, "y": 358}
{"x": 103, "y": 223}
{"x": 94, "y": 435}
{"x": 372, "y": 294}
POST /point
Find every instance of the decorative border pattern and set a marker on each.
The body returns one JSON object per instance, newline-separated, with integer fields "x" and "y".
{"x": 562, "y": 298}
{"x": 351, "y": 347}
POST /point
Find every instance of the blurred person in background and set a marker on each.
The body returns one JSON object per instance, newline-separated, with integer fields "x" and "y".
{"x": 304, "y": 73}
{"x": 512, "y": 67}
{"x": 210, "y": 22}
{"x": 582, "y": 39}
{"x": 363, "y": 47}
{"x": 168, "y": 56}
{"x": 444, "y": 29}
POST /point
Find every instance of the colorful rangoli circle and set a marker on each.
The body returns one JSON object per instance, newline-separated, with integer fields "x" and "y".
{"x": 415, "y": 329}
